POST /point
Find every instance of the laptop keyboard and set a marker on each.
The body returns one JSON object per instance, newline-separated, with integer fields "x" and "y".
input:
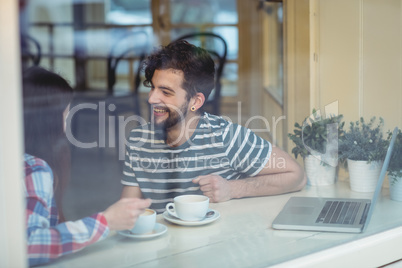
{"x": 339, "y": 212}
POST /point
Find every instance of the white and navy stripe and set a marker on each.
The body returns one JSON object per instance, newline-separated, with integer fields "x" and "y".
{"x": 216, "y": 147}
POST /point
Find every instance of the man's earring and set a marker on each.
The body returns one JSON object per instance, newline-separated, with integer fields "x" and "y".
{"x": 192, "y": 108}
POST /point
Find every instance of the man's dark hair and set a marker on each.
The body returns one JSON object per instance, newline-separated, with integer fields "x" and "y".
{"x": 195, "y": 62}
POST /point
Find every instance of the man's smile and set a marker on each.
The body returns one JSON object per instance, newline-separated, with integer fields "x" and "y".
{"x": 161, "y": 110}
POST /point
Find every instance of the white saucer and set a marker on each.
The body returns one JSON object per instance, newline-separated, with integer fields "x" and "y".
{"x": 159, "y": 229}
{"x": 175, "y": 220}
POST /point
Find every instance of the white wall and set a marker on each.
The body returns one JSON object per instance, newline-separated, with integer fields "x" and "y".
{"x": 359, "y": 58}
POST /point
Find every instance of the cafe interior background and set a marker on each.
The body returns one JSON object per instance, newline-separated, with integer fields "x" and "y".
{"x": 283, "y": 59}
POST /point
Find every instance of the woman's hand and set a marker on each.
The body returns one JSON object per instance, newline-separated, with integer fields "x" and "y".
{"x": 123, "y": 214}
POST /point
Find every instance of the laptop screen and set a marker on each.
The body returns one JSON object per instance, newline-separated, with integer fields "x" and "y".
{"x": 382, "y": 176}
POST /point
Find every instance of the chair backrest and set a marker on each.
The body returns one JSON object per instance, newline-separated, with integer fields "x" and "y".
{"x": 30, "y": 50}
{"x": 220, "y": 60}
{"x": 130, "y": 52}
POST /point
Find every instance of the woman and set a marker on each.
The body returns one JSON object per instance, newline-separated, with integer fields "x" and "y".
{"x": 46, "y": 103}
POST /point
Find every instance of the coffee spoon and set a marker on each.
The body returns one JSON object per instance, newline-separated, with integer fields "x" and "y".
{"x": 210, "y": 214}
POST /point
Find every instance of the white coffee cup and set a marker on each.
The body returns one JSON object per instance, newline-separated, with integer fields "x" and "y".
{"x": 145, "y": 222}
{"x": 189, "y": 207}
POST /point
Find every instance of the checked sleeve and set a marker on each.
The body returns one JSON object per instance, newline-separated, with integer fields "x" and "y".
{"x": 46, "y": 238}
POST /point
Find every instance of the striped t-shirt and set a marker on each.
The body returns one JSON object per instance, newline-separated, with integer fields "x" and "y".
{"x": 216, "y": 147}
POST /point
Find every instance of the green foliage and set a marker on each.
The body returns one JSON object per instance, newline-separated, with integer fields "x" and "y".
{"x": 395, "y": 164}
{"x": 363, "y": 141}
{"x": 314, "y": 134}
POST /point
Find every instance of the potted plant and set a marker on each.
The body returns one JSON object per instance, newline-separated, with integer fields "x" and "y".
{"x": 363, "y": 147}
{"x": 316, "y": 142}
{"x": 395, "y": 168}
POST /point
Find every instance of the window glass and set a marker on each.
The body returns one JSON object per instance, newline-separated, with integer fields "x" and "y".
{"x": 61, "y": 40}
{"x": 128, "y": 12}
{"x": 207, "y": 11}
{"x": 50, "y": 11}
{"x": 229, "y": 81}
{"x": 77, "y": 37}
{"x": 273, "y": 62}
{"x": 231, "y": 35}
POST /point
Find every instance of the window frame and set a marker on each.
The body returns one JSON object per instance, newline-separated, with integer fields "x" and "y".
{"x": 12, "y": 203}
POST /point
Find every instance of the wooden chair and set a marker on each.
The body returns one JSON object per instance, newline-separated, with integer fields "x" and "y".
{"x": 116, "y": 102}
{"x": 31, "y": 52}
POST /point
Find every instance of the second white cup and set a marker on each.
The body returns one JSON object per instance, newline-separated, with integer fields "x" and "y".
{"x": 145, "y": 222}
{"x": 189, "y": 207}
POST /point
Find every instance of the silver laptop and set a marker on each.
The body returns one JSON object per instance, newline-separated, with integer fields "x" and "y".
{"x": 332, "y": 214}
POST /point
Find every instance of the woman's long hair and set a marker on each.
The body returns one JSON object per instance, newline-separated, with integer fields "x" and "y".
{"x": 46, "y": 96}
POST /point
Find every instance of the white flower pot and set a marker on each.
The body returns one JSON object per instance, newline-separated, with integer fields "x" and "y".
{"x": 395, "y": 187}
{"x": 318, "y": 173}
{"x": 363, "y": 175}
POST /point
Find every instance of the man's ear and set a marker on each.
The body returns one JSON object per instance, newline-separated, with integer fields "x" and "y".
{"x": 198, "y": 100}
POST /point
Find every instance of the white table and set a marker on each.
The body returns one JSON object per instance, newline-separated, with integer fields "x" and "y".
{"x": 243, "y": 237}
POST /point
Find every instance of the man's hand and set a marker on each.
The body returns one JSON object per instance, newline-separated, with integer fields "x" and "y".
{"x": 215, "y": 187}
{"x": 123, "y": 214}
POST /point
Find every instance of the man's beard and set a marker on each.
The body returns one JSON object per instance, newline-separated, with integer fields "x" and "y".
{"x": 175, "y": 117}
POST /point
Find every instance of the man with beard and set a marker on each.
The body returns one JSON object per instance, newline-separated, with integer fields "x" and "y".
{"x": 187, "y": 151}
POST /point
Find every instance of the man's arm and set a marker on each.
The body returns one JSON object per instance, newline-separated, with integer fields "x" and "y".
{"x": 131, "y": 192}
{"x": 281, "y": 174}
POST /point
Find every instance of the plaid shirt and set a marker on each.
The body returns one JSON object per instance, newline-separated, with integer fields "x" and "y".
{"x": 48, "y": 239}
